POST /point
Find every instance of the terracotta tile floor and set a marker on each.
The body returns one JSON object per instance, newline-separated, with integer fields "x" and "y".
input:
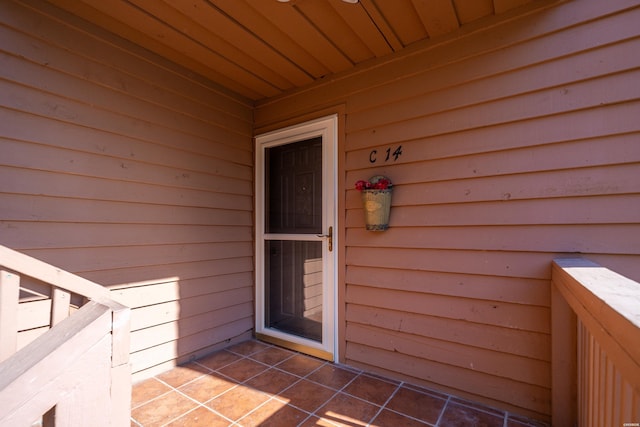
{"x": 257, "y": 384}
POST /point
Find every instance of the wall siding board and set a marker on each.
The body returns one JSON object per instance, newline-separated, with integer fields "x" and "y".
{"x": 128, "y": 170}
{"x": 53, "y": 184}
{"x": 124, "y": 57}
{"x": 204, "y": 351}
{"x": 463, "y": 114}
{"x": 213, "y": 239}
{"x": 507, "y": 366}
{"x": 619, "y": 149}
{"x": 516, "y": 316}
{"x": 111, "y": 257}
{"x": 61, "y": 210}
{"x": 569, "y": 70}
{"x": 172, "y": 331}
{"x": 445, "y": 123}
{"x": 83, "y": 88}
{"x": 148, "y": 316}
{"x": 577, "y": 125}
{"x": 72, "y": 111}
{"x": 525, "y": 265}
{"x": 99, "y": 166}
{"x": 606, "y": 238}
{"x": 158, "y": 273}
{"x": 528, "y": 344}
{"x": 144, "y": 294}
{"x": 161, "y": 353}
{"x": 519, "y": 145}
{"x": 510, "y": 64}
{"x": 18, "y": 125}
{"x": 492, "y": 288}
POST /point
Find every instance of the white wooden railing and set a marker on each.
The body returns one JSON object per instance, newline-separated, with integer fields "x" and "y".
{"x": 78, "y": 372}
{"x": 595, "y": 320}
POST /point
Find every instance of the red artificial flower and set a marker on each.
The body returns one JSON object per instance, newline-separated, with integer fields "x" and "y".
{"x": 362, "y": 185}
{"x": 380, "y": 184}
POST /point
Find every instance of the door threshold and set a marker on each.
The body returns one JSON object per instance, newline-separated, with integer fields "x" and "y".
{"x": 311, "y": 351}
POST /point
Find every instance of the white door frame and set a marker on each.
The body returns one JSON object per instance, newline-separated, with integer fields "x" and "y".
{"x": 327, "y": 128}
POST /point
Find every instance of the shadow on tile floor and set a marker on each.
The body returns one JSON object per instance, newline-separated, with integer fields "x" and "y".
{"x": 257, "y": 384}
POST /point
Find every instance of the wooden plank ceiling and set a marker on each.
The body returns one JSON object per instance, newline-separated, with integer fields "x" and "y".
{"x": 262, "y": 48}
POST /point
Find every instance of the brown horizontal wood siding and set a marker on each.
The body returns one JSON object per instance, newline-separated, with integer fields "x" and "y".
{"x": 519, "y": 144}
{"x": 125, "y": 169}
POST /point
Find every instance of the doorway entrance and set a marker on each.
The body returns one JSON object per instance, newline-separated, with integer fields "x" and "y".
{"x": 295, "y": 223}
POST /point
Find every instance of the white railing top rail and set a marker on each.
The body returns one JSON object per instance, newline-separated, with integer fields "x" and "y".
{"x": 620, "y": 293}
{"x": 31, "y": 380}
{"x": 609, "y": 306}
{"x": 32, "y": 267}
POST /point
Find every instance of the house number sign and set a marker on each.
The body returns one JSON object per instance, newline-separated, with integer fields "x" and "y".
{"x": 386, "y": 155}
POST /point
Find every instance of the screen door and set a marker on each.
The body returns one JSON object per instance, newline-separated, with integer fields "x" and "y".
{"x": 295, "y": 222}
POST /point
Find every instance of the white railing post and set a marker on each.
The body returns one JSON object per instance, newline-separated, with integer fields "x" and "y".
{"x": 563, "y": 361}
{"x": 60, "y": 303}
{"x": 120, "y": 375}
{"x": 9, "y": 299}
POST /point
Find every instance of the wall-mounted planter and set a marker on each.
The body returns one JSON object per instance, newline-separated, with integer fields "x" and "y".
{"x": 376, "y": 202}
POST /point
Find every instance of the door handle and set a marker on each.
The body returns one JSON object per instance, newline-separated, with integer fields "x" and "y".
{"x": 329, "y": 236}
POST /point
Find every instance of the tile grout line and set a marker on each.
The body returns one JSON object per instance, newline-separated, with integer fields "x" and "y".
{"x": 406, "y": 386}
{"x": 383, "y": 406}
{"x": 271, "y": 398}
{"x": 217, "y": 371}
{"x": 238, "y": 384}
{"x": 171, "y": 388}
{"x": 243, "y": 383}
{"x": 444, "y": 408}
{"x": 311, "y": 414}
{"x": 358, "y": 374}
{"x": 336, "y": 392}
{"x": 150, "y": 400}
{"x": 154, "y": 398}
{"x": 209, "y": 371}
{"x": 199, "y": 404}
{"x": 276, "y": 396}
{"x": 489, "y": 410}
